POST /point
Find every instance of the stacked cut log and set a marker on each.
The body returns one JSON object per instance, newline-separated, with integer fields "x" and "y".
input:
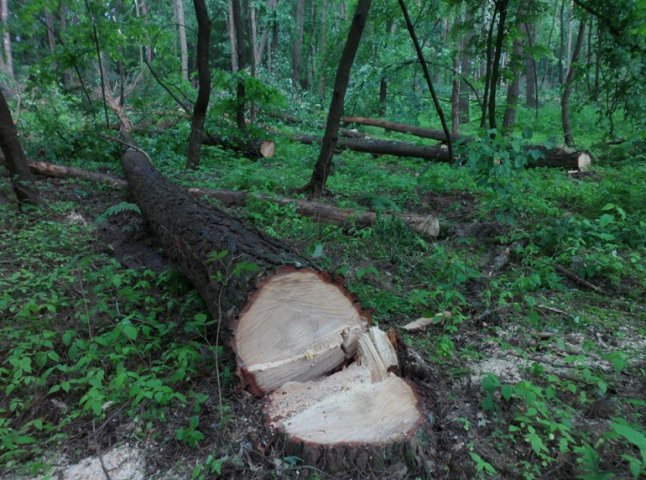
{"x": 301, "y": 338}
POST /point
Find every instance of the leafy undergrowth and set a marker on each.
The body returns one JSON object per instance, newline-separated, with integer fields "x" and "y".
{"x": 537, "y": 376}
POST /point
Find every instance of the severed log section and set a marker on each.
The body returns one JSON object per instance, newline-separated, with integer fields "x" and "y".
{"x": 300, "y": 337}
{"x": 427, "y": 225}
{"x": 559, "y": 158}
{"x": 51, "y": 170}
{"x": 383, "y": 147}
{"x": 249, "y": 148}
{"x": 399, "y": 127}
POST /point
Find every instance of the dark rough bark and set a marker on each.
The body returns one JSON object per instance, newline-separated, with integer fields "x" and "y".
{"x": 455, "y": 101}
{"x": 383, "y": 147}
{"x": 513, "y": 90}
{"x": 488, "y": 65}
{"x": 427, "y": 75}
{"x": 241, "y": 52}
{"x": 559, "y": 158}
{"x": 15, "y": 159}
{"x": 204, "y": 91}
{"x": 398, "y": 127}
{"x": 495, "y": 68}
{"x": 191, "y": 231}
{"x": 324, "y": 162}
{"x": 567, "y": 89}
{"x": 530, "y": 69}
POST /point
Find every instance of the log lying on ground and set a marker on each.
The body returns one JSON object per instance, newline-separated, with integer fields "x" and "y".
{"x": 427, "y": 225}
{"x": 383, "y": 147}
{"x": 296, "y": 326}
{"x": 559, "y": 158}
{"x": 399, "y": 127}
{"x": 249, "y": 148}
{"x": 294, "y": 120}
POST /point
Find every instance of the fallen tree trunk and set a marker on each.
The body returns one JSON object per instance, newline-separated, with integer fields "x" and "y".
{"x": 427, "y": 225}
{"x": 294, "y": 120}
{"x": 383, "y": 147}
{"x": 558, "y": 158}
{"x": 295, "y": 326}
{"x": 252, "y": 149}
{"x": 399, "y": 127}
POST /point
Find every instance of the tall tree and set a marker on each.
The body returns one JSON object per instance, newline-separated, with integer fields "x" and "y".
{"x": 204, "y": 89}
{"x": 502, "y": 6}
{"x": 323, "y": 165}
{"x": 231, "y": 29}
{"x": 465, "y": 67}
{"x": 21, "y": 178}
{"x": 181, "y": 28}
{"x": 297, "y": 51}
{"x": 6, "y": 37}
{"x": 241, "y": 51}
{"x": 513, "y": 89}
{"x": 322, "y": 78}
{"x": 567, "y": 88}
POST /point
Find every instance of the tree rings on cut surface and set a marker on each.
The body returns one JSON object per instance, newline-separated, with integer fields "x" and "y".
{"x": 329, "y": 378}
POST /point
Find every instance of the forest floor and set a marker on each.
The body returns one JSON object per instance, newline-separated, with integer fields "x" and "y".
{"x": 107, "y": 353}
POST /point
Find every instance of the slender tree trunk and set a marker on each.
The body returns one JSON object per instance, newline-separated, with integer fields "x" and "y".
{"x": 562, "y": 44}
{"x": 51, "y": 39}
{"x": 67, "y": 75}
{"x": 183, "y": 45}
{"x": 488, "y": 65}
{"x": 232, "y": 38}
{"x": 21, "y": 177}
{"x": 297, "y": 52}
{"x": 204, "y": 78}
{"x": 274, "y": 32}
{"x": 241, "y": 51}
{"x": 455, "y": 99}
{"x": 322, "y": 76}
{"x": 530, "y": 68}
{"x": 6, "y": 38}
{"x": 513, "y": 90}
{"x": 495, "y": 69}
{"x": 324, "y": 162}
{"x": 427, "y": 77}
{"x": 144, "y": 13}
{"x": 465, "y": 69}
{"x": 567, "y": 89}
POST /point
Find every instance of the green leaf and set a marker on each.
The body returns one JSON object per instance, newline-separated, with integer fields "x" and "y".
{"x": 633, "y": 436}
{"x": 129, "y": 330}
{"x": 634, "y": 464}
{"x": 606, "y": 219}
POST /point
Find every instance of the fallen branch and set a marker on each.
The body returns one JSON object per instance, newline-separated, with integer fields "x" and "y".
{"x": 400, "y": 127}
{"x": 578, "y": 280}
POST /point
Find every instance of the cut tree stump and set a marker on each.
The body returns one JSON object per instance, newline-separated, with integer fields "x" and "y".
{"x": 300, "y": 337}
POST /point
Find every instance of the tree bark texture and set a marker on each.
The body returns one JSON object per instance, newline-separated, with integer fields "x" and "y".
{"x": 204, "y": 91}
{"x": 297, "y": 51}
{"x": 567, "y": 88}
{"x": 330, "y": 138}
{"x": 495, "y": 68}
{"x": 252, "y": 149}
{"x": 183, "y": 46}
{"x": 398, "y": 127}
{"x": 465, "y": 69}
{"x": 22, "y": 180}
{"x": 6, "y": 38}
{"x": 238, "y": 26}
{"x": 513, "y": 90}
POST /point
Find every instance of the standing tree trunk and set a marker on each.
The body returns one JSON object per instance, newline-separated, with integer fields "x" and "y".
{"x": 324, "y": 162}
{"x": 562, "y": 44}
{"x": 183, "y": 46}
{"x": 495, "y": 69}
{"x": 21, "y": 177}
{"x": 232, "y": 38}
{"x": 488, "y": 64}
{"x": 274, "y": 32}
{"x": 51, "y": 39}
{"x": 297, "y": 52}
{"x": 204, "y": 90}
{"x": 513, "y": 90}
{"x": 6, "y": 38}
{"x": 455, "y": 83}
{"x": 241, "y": 51}
{"x": 530, "y": 68}
{"x": 322, "y": 76}
{"x": 567, "y": 88}
{"x": 465, "y": 69}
